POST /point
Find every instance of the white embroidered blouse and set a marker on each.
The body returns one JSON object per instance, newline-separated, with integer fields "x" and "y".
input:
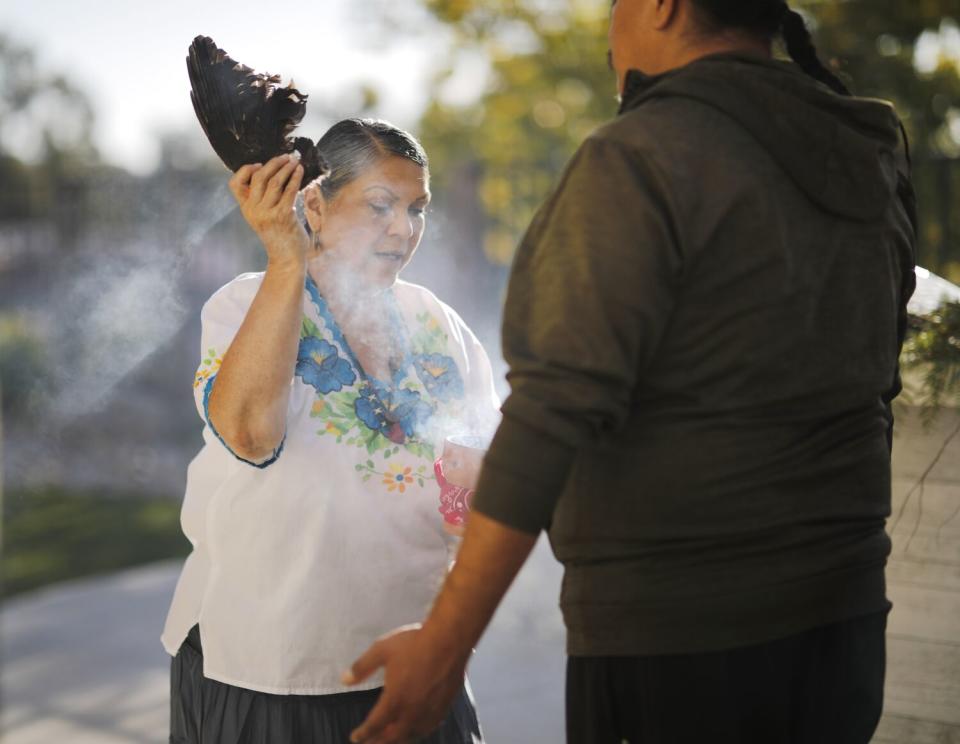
{"x": 302, "y": 561}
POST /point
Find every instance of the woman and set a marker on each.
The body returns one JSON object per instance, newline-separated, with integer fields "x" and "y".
{"x": 326, "y": 386}
{"x": 702, "y": 326}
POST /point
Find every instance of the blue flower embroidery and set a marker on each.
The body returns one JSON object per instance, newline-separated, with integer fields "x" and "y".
{"x": 323, "y": 310}
{"x": 439, "y": 375}
{"x": 395, "y": 413}
{"x": 319, "y": 365}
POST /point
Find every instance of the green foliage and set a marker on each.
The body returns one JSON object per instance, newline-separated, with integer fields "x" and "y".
{"x": 17, "y": 199}
{"x": 52, "y": 535}
{"x": 933, "y": 349}
{"x": 46, "y": 146}
{"x": 23, "y": 365}
{"x": 549, "y": 85}
{"x": 48, "y": 107}
{"x": 873, "y": 46}
{"x": 539, "y": 104}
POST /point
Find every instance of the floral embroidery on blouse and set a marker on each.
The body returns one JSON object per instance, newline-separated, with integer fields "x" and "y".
{"x": 395, "y": 413}
{"x": 439, "y": 375}
{"x": 208, "y": 368}
{"x": 395, "y": 477}
{"x": 436, "y": 370}
{"x": 381, "y": 417}
{"x": 321, "y": 366}
{"x": 429, "y": 336}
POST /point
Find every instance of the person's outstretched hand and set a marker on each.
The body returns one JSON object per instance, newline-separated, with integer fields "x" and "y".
{"x": 422, "y": 677}
{"x": 425, "y": 666}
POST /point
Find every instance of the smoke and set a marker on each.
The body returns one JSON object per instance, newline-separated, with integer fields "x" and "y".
{"x": 111, "y": 319}
{"x": 351, "y": 280}
{"x": 115, "y": 302}
{"x": 472, "y": 425}
{"x": 118, "y": 306}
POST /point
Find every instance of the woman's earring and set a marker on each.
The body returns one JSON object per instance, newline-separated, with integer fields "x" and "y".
{"x": 315, "y": 242}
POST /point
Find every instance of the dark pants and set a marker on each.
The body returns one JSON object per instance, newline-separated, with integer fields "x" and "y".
{"x": 205, "y": 711}
{"x": 823, "y": 686}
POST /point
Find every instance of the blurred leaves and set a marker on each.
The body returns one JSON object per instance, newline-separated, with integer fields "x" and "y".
{"x": 537, "y": 104}
{"x": 52, "y": 535}
{"x": 932, "y": 348}
{"x": 908, "y": 53}
{"x": 39, "y": 111}
{"x": 23, "y": 365}
{"x": 547, "y": 85}
{"x": 46, "y": 145}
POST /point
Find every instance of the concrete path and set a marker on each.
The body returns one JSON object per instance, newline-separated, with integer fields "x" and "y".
{"x": 82, "y": 663}
{"x": 922, "y": 699}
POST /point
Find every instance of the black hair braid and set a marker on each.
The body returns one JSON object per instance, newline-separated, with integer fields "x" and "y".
{"x": 800, "y": 47}
{"x": 768, "y": 17}
{"x": 762, "y": 16}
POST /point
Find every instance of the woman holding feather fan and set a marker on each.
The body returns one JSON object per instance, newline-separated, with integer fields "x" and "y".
{"x": 326, "y": 384}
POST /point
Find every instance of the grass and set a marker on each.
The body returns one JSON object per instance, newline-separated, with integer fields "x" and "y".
{"x": 51, "y": 535}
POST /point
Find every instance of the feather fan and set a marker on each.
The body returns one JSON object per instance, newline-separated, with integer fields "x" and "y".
{"x": 249, "y": 117}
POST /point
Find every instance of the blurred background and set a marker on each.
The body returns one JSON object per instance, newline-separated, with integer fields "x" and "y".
{"x": 116, "y": 224}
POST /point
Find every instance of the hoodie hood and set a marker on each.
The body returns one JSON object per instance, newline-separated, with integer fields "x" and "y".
{"x": 841, "y": 151}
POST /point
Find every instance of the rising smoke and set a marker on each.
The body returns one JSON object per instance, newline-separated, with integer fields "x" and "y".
{"x": 118, "y": 306}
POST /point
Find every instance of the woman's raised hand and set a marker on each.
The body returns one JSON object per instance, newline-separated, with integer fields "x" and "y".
{"x": 266, "y": 194}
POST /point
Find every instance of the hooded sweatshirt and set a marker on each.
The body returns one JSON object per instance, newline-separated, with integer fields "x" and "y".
{"x": 702, "y": 328}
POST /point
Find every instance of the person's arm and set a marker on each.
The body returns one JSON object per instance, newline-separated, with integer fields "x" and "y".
{"x": 425, "y": 666}
{"x": 908, "y": 283}
{"x": 248, "y": 402}
{"x": 590, "y": 294}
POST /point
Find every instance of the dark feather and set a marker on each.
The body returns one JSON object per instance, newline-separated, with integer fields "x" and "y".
{"x": 248, "y": 117}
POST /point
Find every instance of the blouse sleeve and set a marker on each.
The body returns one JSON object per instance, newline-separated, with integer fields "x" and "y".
{"x": 220, "y": 320}
{"x": 481, "y": 406}
{"x": 481, "y": 390}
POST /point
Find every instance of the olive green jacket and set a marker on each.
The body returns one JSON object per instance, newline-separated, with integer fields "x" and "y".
{"x": 702, "y": 329}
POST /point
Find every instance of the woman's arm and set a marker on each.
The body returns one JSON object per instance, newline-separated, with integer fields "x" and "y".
{"x": 248, "y": 402}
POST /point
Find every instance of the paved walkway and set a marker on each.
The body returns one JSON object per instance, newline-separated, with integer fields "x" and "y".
{"x": 82, "y": 663}
{"x": 923, "y": 637}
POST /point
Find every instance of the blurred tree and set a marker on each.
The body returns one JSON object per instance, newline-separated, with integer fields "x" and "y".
{"x": 933, "y": 349}
{"x": 16, "y": 188}
{"x": 45, "y": 143}
{"x": 547, "y": 85}
{"x": 23, "y": 364}
{"x": 40, "y": 112}
{"x": 908, "y": 53}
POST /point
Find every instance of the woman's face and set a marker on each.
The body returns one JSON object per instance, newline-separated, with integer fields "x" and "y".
{"x": 372, "y": 226}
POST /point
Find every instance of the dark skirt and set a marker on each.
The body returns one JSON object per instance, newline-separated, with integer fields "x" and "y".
{"x": 204, "y": 711}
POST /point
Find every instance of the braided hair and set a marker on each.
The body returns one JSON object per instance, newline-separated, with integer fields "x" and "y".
{"x": 771, "y": 17}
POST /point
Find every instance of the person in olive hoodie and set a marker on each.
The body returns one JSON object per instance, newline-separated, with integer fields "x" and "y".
{"x": 702, "y": 327}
